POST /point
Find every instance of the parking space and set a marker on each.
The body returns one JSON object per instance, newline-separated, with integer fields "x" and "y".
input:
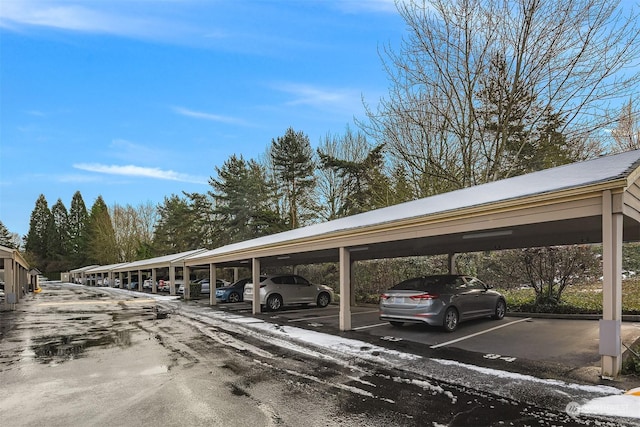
{"x": 572, "y": 343}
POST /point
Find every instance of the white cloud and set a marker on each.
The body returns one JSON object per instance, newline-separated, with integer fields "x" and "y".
{"x": 139, "y": 171}
{"x": 209, "y": 116}
{"x": 77, "y": 16}
{"x": 317, "y": 97}
{"x": 352, "y": 6}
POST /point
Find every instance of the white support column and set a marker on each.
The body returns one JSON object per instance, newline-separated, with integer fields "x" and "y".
{"x": 129, "y": 279}
{"x": 236, "y": 274}
{"x": 212, "y": 284}
{"x": 255, "y": 274}
{"x": 452, "y": 264}
{"x": 352, "y": 281}
{"x": 10, "y": 290}
{"x": 140, "y": 280}
{"x": 172, "y": 280}
{"x": 121, "y": 280}
{"x": 610, "y": 325}
{"x": 186, "y": 273}
{"x": 154, "y": 280}
{"x": 345, "y": 289}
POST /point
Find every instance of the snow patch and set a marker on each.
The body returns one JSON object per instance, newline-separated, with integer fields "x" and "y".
{"x": 601, "y": 389}
{"x": 626, "y": 405}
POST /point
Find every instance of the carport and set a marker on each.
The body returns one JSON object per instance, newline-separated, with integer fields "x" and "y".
{"x": 105, "y": 272}
{"x": 15, "y": 274}
{"x": 596, "y": 201}
{"x": 151, "y": 267}
{"x": 79, "y": 275}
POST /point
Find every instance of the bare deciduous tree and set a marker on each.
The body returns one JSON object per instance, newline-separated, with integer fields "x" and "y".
{"x": 475, "y": 81}
{"x": 133, "y": 228}
{"x": 626, "y": 134}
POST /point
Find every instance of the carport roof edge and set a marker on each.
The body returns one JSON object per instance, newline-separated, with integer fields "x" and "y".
{"x": 161, "y": 261}
{"x": 615, "y": 169}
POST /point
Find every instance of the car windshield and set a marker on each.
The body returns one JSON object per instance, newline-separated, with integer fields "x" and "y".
{"x": 439, "y": 284}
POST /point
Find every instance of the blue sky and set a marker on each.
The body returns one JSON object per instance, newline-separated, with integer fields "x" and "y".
{"x": 138, "y": 100}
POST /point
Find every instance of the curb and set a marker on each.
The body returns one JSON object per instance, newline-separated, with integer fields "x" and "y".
{"x": 625, "y": 317}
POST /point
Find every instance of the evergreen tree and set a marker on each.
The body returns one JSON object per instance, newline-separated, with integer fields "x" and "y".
{"x": 243, "y": 199}
{"x": 6, "y": 239}
{"x": 172, "y": 226}
{"x": 368, "y": 187}
{"x": 58, "y": 238}
{"x": 101, "y": 237}
{"x": 292, "y": 160}
{"x": 36, "y": 240}
{"x": 78, "y": 231}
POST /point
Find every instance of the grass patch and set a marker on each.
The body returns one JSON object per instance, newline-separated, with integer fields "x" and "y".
{"x": 576, "y": 299}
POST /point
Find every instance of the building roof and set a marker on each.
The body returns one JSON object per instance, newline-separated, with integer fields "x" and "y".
{"x": 563, "y": 182}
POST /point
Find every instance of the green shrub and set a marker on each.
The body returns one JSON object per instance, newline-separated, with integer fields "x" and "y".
{"x": 195, "y": 290}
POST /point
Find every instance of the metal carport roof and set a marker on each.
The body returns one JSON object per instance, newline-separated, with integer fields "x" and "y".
{"x": 164, "y": 261}
{"x": 556, "y": 206}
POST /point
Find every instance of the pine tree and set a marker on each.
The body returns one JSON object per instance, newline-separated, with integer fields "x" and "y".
{"x": 36, "y": 240}
{"x": 6, "y": 239}
{"x": 173, "y": 224}
{"x": 102, "y": 241}
{"x": 78, "y": 231}
{"x": 58, "y": 238}
{"x": 242, "y": 199}
{"x": 292, "y": 160}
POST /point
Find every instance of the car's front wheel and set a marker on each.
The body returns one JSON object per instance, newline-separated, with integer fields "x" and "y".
{"x": 450, "y": 319}
{"x": 274, "y": 302}
{"x": 234, "y": 297}
{"x": 501, "y": 310}
{"x": 324, "y": 299}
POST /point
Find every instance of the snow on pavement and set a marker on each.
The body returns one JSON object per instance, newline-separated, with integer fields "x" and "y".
{"x": 579, "y": 398}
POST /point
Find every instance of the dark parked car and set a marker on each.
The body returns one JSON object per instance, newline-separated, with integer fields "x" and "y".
{"x": 233, "y": 292}
{"x": 441, "y": 300}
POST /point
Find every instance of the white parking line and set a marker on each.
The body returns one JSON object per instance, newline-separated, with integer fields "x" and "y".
{"x": 479, "y": 333}
{"x": 370, "y": 326}
{"x": 328, "y": 316}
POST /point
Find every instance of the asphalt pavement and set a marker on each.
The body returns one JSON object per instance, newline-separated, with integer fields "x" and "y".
{"x": 74, "y": 355}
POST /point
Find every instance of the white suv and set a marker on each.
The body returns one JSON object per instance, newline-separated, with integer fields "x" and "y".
{"x": 284, "y": 289}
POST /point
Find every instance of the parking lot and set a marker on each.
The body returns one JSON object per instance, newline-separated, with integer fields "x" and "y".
{"x": 573, "y": 344}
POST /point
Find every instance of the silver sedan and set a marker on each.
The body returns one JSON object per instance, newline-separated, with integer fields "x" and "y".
{"x": 441, "y": 300}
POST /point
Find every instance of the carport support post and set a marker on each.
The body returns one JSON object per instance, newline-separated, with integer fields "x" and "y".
{"x": 140, "y": 280}
{"x": 345, "y": 289}
{"x": 212, "y": 284}
{"x": 610, "y": 343}
{"x": 452, "y": 264}
{"x": 255, "y": 274}
{"x": 187, "y": 282}
{"x": 121, "y": 284}
{"x": 172, "y": 280}
{"x": 154, "y": 286}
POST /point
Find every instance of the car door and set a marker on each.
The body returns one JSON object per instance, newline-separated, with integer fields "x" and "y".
{"x": 475, "y": 292}
{"x": 465, "y": 298}
{"x": 287, "y": 288}
{"x": 486, "y": 300}
{"x": 305, "y": 290}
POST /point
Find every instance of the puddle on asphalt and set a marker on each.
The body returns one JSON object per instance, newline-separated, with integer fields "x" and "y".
{"x": 59, "y": 349}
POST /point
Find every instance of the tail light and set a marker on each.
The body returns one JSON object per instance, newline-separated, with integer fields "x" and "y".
{"x": 425, "y": 296}
{"x": 262, "y": 285}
